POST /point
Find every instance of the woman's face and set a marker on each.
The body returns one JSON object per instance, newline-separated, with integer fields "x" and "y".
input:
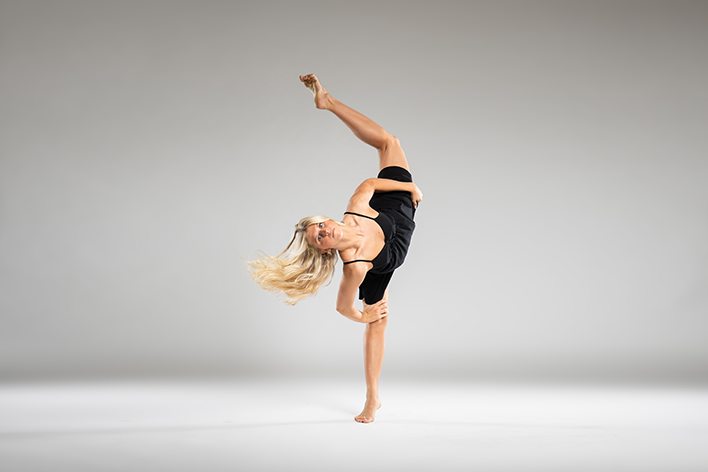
{"x": 324, "y": 235}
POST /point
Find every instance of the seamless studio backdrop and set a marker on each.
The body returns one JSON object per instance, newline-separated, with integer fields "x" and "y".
{"x": 147, "y": 147}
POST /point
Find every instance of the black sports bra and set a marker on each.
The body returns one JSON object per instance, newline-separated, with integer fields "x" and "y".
{"x": 364, "y": 216}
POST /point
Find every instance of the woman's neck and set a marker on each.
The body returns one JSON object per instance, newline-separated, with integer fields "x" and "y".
{"x": 352, "y": 238}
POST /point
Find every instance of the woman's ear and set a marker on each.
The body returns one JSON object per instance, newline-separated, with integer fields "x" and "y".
{"x": 327, "y": 251}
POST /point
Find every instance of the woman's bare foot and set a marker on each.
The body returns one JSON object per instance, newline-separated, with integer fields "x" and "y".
{"x": 369, "y": 412}
{"x": 322, "y": 98}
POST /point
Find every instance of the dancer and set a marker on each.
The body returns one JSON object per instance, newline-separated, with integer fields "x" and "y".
{"x": 372, "y": 240}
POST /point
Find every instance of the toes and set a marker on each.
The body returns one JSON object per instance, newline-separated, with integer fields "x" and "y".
{"x": 364, "y": 419}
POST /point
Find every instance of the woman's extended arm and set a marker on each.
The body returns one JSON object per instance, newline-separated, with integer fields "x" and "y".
{"x": 352, "y": 277}
{"x": 367, "y": 188}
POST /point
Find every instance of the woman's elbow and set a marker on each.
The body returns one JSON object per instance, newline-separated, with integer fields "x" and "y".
{"x": 366, "y": 187}
{"x": 346, "y": 309}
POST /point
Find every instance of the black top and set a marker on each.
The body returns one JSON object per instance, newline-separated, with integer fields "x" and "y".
{"x": 395, "y": 218}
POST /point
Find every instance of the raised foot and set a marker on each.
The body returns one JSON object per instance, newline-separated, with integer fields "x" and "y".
{"x": 369, "y": 412}
{"x": 323, "y": 99}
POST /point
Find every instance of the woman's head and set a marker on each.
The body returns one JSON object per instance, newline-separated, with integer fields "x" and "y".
{"x": 304, "y": 266}
{"x": 321, "y": 232}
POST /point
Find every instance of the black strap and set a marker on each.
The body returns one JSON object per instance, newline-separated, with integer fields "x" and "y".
{"x": 358, "y": 260}
{"x": 359, "y": 214}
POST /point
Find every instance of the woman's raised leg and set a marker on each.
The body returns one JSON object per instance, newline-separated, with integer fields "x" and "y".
{"x": 390, "y": 151}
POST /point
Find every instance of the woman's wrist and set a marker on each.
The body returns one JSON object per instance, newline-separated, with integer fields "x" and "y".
{"x": 361, "y": 318}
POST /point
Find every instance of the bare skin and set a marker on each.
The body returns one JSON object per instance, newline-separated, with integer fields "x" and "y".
{"x": 322, "y": 98}
{"x": 374, "y": 347}
{"x": 390, "y": 151}
{"x": 390, "y": 154}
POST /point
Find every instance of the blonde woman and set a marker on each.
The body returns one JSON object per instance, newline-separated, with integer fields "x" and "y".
{"x": 372, "y": 240}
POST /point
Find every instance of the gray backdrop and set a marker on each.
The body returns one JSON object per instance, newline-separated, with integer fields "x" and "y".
{"x": 148, "y": 146}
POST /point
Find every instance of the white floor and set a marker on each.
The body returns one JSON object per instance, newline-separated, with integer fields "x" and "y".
{"x": 307, "y": 425}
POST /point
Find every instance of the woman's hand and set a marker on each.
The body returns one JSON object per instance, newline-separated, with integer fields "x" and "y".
{"x": 375, "y": 312}
{"x": 416, "y": 195}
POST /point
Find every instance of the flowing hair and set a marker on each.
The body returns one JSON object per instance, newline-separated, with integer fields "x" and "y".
{"x": 300, "y": 270}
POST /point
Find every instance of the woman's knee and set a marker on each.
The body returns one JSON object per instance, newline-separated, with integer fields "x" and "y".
{"x": 392, "y": 154}
{"x": 392, "y": 141}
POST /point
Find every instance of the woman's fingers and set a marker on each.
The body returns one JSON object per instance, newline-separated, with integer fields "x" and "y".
{"x": 383, "y": 307}
{"x": 416, "y": 197}
{"x": 377, "y": 311}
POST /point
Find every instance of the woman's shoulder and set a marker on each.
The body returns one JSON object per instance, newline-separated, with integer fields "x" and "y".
{"x": 361, "y": 212}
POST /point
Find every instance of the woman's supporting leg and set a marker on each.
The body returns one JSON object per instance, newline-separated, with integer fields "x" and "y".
{"x": 374, "y": 347}
{"x": 390, "y": 151}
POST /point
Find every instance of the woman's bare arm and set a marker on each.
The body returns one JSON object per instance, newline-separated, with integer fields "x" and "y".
{"x": 367, "y": 188}
{"x": 353, "y": 276}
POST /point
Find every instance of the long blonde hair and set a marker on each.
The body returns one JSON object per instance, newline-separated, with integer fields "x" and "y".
{"x": 300, "y": 270}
